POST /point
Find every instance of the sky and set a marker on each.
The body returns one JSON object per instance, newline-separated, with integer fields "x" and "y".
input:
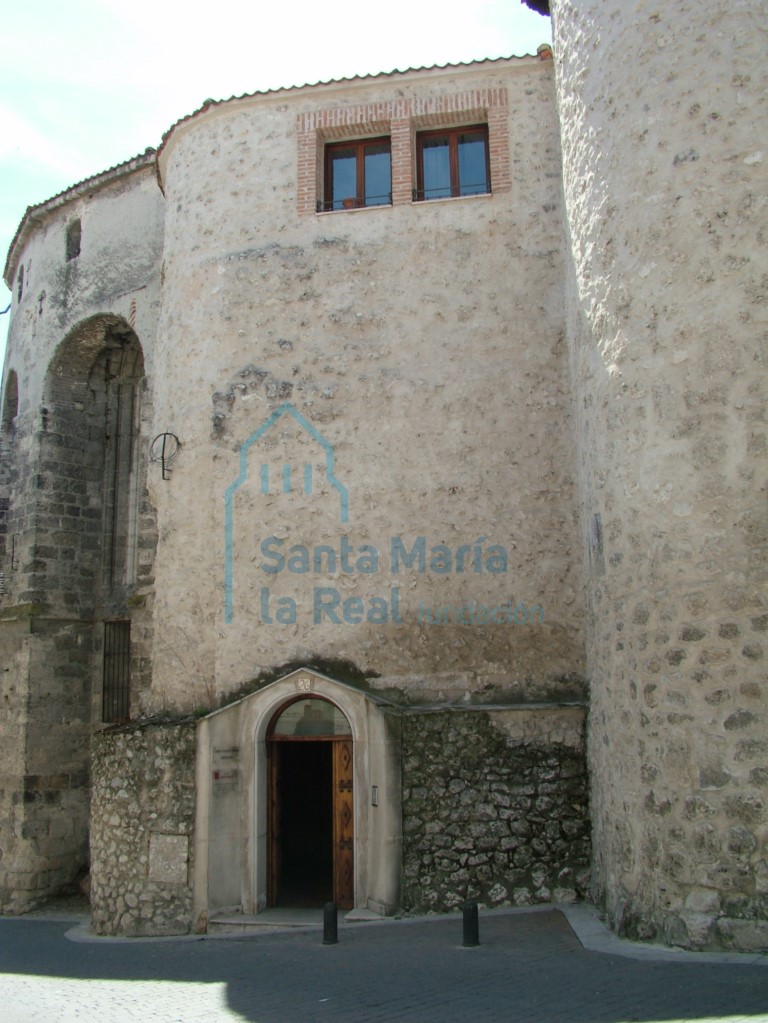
{"x": 87, "y": 84}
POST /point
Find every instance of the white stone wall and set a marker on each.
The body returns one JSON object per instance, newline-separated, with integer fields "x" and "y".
{"x": 484, "y": 372}
{"x": 666, "y": 193}
{"x": 425, "y": 342}
{"x": 116, "y": 272}
{"x": 64, "y": 307}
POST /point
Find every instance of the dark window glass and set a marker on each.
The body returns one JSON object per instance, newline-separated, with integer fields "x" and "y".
{"x": 312, "y": 717}
{"x": 473, "y": 171}
{"x": 358, "y": 174}
{"x": 453, "y": 163}
{"x": 378, "y": 175}
{"x": 436, "y": 167}
{"x": 74, "y": 233}
{"x": 343, "y": 165}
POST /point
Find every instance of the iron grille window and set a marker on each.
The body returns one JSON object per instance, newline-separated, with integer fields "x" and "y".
{"x": 358, "y": 174}
{"x": 116, "y": 691}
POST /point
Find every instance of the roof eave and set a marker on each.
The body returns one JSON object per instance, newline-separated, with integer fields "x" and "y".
{"x": 34, "y": 215}
{"x": 358, "y": 81}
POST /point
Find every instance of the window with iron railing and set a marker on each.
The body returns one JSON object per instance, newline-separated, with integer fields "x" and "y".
{"x": 453, "y": 163}
{"x": 357, "y": 174}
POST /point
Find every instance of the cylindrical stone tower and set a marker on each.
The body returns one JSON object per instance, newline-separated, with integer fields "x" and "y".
{"x": 665, "y": 164}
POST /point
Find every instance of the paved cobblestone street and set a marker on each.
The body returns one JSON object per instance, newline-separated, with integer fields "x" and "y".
{"x": 529, "y": 967}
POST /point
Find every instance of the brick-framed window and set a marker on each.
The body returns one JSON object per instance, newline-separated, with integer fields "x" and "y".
{"x": 358, "y": 173}
{"x": 401, "y": 120}
{"x": 452, "y": 162}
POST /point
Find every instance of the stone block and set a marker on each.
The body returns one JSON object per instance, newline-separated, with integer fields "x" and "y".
{"x": 742, "y": 935}
{"x": 703, "y": 900}
{"x": 169, "y": 858}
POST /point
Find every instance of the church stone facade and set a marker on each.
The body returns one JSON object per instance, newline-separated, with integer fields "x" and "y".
{"x": 384, "y": 511}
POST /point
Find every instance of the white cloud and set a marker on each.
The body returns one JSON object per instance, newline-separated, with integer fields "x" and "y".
{"x": 87, "y": 84}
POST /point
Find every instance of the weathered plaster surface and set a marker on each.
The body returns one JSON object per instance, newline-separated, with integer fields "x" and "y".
{"x": 665, "y": 188}
{"x": 121, "y": 244}
{"x": 425, "y": 343}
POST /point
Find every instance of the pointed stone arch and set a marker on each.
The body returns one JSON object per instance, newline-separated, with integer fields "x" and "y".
{"x": 75, "y": 520}
{"x": 90, "y": 457}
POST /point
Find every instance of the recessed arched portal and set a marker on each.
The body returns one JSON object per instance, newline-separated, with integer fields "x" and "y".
{"x": 320, "y": 759}
{"x": 90, "y": 438}
{"x": 310, "y": 785}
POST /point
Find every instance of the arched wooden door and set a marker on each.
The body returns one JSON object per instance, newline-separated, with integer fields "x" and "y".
{"x": 311, "y": 806}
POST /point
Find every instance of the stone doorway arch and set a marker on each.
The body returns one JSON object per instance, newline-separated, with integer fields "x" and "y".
{"x": 232, "y": 833}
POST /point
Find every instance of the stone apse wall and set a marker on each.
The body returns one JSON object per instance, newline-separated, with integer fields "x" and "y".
{"x": 557, "y": 386}
{"x": 418, "y": 345}
{"x": 411, "y": 358}
{"x": 73, "y": 360}
{"x": 665, "y": 188}
{"x": 378, "y": 402}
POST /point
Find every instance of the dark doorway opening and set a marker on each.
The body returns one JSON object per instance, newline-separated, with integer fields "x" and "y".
{"x": 304, "y": 823}
{"x": 311, "y": 827}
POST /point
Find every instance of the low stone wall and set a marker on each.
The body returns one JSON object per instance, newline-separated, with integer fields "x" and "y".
{"x": 495, "y": 808}
{"x": 142, "y": 823}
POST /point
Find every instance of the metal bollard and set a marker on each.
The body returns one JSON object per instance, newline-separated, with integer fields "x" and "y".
{"x": 471, "y": 925}
{"x": 330, "y": 924}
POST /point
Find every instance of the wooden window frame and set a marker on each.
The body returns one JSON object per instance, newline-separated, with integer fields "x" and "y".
{"x": 358, "y": 200}
{"x": 452, "y": 134}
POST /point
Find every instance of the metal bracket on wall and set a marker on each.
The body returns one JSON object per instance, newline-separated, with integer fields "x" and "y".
{"x": 164, "y": 449}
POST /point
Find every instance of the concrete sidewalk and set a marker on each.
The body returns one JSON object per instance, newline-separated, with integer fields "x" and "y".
{"x": 549, "y": 965}
{"x": 584, "y": 919}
